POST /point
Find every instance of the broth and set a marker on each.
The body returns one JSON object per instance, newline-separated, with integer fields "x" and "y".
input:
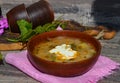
{"x": 84, "y": 50}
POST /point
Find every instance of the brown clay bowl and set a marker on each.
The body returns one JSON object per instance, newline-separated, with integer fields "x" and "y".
{"x": 17, "y": 13}
{"x": 63, "y": 69}
{"x": 40, "y": 13}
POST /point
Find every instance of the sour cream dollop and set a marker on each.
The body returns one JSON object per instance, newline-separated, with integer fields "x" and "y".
{"x": 64, "y": 51}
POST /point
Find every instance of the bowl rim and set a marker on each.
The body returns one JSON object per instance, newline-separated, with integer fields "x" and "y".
{"x": 97, "y": 54}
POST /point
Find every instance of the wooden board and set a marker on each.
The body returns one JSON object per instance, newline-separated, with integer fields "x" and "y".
{"x": 7, "y": 45}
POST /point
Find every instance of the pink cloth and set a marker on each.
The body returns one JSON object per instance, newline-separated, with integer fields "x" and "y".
{"x": 59, "y": 28}
{"x": 103, "y": 67}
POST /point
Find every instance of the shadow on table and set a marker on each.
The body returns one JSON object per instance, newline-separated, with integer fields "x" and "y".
{"x": 107, "y": 13}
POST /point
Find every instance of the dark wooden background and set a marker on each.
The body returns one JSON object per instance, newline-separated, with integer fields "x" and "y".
{"x": 86, "y": 12}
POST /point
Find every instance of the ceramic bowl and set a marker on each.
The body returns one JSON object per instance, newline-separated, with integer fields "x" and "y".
{"x": 63, "y": 69}
{"x": 17, "y": 13}
{"x": 38, "y": 13}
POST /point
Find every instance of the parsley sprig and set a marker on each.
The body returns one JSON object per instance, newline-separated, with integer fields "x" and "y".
{"x": 26, "y": 30}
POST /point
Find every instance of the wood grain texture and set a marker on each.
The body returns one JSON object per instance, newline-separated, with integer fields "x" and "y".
{"x": 80, "y": 11}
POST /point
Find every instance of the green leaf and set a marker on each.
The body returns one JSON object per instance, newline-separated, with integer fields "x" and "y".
{"x": 1, "y": 58}
{"x": 27, "y": 32}
{"x": 27, "y": 36}
{"x": 24, "y": 26}
{"x": 39, "y": 30}
{"x": 12, "y": 40}
{"x": 63, "y": 25}
{"x": 25, "y": 29}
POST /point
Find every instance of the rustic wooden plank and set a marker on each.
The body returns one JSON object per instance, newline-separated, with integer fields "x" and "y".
{"x": 79, "y": 10}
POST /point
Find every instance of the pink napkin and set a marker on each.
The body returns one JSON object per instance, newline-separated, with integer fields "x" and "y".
{"x": 103, "y": 67}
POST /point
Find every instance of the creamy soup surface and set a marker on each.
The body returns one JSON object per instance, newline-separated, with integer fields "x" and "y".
{"x": 74, "y": 49}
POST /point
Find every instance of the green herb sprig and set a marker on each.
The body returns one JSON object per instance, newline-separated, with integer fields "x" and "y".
{"x": 26, "y": 31}
{"x": 1, "y": 58}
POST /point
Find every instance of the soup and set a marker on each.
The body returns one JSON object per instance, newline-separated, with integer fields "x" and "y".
{"x": 64, "y": 49}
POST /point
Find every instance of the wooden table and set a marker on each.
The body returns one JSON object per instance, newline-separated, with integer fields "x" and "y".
{"x": 111, "y": 48}
{"x": 10, "y": 74}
